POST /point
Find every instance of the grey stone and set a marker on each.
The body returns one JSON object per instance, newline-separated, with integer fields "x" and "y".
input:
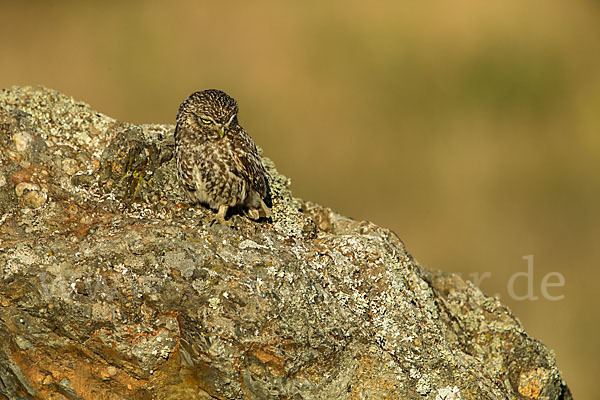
{"x": 114, "y": 287}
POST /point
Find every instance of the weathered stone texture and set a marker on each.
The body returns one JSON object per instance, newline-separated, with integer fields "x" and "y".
{"x": 112, "y": 287}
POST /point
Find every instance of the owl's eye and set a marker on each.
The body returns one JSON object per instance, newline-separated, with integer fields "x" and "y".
{"x": 206, "y": 121}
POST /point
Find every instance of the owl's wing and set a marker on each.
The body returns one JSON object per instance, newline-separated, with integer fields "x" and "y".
{"x": 252, "y": 167}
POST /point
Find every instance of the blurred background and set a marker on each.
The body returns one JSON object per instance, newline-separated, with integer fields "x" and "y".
{"x": 471, "y": 128}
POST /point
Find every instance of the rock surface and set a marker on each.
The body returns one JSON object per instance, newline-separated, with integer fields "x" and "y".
{"x": 112, "y": 287}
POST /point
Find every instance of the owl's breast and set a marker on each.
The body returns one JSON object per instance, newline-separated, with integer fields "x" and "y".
{"x": 216, "y": 176}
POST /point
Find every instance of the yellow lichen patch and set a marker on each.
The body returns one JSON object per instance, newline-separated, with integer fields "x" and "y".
{"x": 368, "y": 379}
{"x": 532, "y": 382}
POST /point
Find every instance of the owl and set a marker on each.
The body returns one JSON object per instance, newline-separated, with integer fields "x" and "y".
{"x": 217, "y": 161}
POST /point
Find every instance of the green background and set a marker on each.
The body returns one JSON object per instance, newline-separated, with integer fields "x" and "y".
{"x": 471, "y": 128}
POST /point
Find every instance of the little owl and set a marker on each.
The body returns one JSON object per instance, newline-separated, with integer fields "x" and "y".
{"x": 217, "y": 161}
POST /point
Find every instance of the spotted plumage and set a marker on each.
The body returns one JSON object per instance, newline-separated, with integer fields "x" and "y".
{"x": 217, "y": 161}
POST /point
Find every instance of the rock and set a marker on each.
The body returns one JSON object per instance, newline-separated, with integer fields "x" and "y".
{"x": 31, "y": 194}
{"x": 114, "y": 287}
{"x": 22, "y": 141}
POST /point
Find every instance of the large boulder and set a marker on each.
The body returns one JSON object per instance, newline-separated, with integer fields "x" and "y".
{"x": 113, "y": 287}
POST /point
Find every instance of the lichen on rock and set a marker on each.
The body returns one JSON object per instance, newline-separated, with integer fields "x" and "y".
{"x": 112, "y": 286}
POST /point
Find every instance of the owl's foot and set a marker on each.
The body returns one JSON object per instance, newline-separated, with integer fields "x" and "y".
{"x": 254, "y": 214}
{"x": 220, "y": 218}
{"x": 262, "y": 211}
{"x": 222, "y": 212}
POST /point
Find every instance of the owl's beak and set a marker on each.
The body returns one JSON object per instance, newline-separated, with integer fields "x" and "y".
{"x": 221, "y": 131}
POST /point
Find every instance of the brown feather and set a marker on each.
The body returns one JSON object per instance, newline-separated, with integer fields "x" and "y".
{"x": 219, "y": 171}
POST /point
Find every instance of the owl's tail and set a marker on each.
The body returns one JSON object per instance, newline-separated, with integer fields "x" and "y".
{"x": 265, "y": 209}
{"x": 267, "y": 198}
{"x": 265, "y": 203}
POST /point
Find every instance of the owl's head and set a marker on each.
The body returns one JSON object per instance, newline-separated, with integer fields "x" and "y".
{"x": 209, "y": 111}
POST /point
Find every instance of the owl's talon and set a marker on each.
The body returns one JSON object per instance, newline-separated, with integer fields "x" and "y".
{"x": 220, "y": 217}
{"x": 254, "y": 214}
